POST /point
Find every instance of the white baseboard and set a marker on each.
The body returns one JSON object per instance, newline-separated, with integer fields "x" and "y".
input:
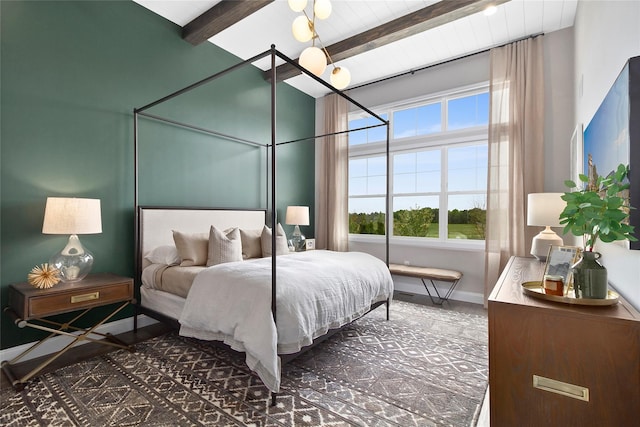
{"x": 415, "y": 286}
{"x": 56, "y": 343}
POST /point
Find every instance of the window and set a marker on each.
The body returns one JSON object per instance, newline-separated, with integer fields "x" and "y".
{"x": 438, "y": 169}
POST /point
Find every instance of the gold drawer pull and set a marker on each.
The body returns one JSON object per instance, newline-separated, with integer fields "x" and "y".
{"x": 85, "y": 297}
{"x": 565, "y": 389}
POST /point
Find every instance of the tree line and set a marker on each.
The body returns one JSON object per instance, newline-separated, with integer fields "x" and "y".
{"x": 419, "y": 222}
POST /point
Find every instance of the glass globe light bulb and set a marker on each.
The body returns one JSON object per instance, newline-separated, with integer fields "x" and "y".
{"x": 490, "y": 10}
{"x": 301, "y": 29}
{"x": 297, "y": 5}
{"x": 340, "y": 77}
{"x": 322, "y": 9}
{"x": 313, "y": 59}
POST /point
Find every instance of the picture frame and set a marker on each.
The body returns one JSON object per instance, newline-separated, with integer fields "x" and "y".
{"x": 559, "y": 262}
{"x": 612, "y": 137}
{"x": 310, "y": 244}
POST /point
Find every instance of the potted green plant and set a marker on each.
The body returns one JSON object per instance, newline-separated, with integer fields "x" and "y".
{"x": 596, "y": 212}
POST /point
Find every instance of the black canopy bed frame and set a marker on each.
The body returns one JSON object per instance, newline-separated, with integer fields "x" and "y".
{"x": 271, "y": 178}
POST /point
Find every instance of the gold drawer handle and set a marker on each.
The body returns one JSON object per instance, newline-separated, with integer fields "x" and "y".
{"x": 565, "y": 389}
{"x": 85, "y": 297}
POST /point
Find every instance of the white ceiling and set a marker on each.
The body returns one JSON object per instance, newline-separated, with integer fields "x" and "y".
{"x": 514, "y": 20}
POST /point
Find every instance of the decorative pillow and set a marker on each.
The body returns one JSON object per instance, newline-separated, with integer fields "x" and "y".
{"x": 224, "y": 246}
{"x": 281, "y": 241}
{"x": 251, "y": 243}
{"x": 166, "y": 254}
{"x": 192, "y": 247}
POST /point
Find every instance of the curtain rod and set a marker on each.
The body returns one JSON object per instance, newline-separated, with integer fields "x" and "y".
{"x": 426, "y": 67}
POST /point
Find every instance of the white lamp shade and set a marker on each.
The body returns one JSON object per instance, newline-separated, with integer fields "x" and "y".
{"x": 322, "y": 9}
{"x": 297, "y": 5}
{"x": 297, "y": 215}
{"x": 340, "y": 77}
{"x": 313, "y": 59}
{"x": 544, "y": 209}
{"x": 301, "y": 29}
{"x": 64, "y": 215}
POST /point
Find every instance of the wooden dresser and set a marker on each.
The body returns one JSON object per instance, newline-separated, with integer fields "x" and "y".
{"x": 594, "y": 350}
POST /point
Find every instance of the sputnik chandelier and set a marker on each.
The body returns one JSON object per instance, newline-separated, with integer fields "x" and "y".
{"x": 314, "y": 58}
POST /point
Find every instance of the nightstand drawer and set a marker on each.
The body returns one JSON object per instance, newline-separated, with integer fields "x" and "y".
{"x": 80, "y": 299}
{"x": 94, "y": 291}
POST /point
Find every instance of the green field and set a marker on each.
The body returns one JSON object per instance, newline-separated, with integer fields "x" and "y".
{"x": 465, "y": 231}
{"x": 468, "y": 225}
{"x": 458, "y": 231}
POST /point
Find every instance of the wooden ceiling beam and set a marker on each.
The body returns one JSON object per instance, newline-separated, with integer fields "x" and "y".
{"x": 219, "y": 17}
{"x": 432, "y": 16}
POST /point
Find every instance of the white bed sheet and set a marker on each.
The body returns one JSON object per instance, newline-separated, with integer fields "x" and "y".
{"x": 316, "y": 291}
{"x": 162, "y": 302}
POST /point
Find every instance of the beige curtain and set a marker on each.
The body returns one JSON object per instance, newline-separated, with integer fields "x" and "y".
{"x": 516, "y": 155}
{"x": 332, "y": 176}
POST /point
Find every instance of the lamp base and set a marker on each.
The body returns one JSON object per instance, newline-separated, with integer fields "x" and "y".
{"x": 543, "y": 241}
{"x": 74, "y": 261}
{"x": 298, "y": 240}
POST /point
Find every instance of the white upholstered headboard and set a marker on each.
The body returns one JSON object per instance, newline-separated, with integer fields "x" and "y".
{"x": 157, "y": 224}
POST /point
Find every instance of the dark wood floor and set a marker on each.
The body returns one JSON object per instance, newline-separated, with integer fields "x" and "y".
{"x": 90, "y": 350}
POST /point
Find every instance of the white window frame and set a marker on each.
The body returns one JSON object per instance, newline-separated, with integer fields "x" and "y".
{"x": 438, "y": 140}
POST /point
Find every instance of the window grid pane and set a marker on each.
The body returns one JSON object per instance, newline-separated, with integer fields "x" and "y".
{"x": 366, "y": 136}
{"x": 468, "y": 111}
{"x": 467, "y": 216}
{"x": 415, "y": 216}
{"x": 467, "y": 168}
{"x": 421, "y": 120}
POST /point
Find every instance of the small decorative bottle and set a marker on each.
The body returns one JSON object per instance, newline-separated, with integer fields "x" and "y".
{"x": 553, "y": 285}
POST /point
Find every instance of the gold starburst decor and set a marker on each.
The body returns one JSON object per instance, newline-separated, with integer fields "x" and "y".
{"x": 43, "y": 276}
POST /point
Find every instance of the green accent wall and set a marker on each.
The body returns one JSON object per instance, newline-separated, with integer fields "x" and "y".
{"x": 71, "y": 75}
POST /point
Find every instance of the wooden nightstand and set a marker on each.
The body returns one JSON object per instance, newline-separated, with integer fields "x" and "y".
{"x": 28, "y": 306}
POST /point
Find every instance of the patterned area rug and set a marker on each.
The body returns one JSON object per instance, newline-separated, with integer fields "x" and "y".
{"x": 425, "y": 367}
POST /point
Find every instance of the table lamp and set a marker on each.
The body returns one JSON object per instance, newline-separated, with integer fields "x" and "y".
{"x": 297, "y": 215}
{"x": 73, "y": 216}
{"x": 543, "y": 210}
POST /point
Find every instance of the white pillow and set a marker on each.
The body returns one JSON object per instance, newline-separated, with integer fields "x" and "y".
{"x": 192, "y": 247}
{"x": 281, "y": 241}
{"x": 224, "y": 246}
{"x": 251, "y": 243}
{"x": 166, "y": 254}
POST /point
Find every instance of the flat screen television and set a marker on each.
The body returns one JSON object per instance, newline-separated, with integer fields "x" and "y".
{"x": 613, "y": 136}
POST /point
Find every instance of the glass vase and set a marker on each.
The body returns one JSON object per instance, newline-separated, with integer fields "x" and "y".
{"x": 589, "y": 277}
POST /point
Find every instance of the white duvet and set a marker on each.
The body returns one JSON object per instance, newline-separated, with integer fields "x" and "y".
{"x": 316, "y": 291}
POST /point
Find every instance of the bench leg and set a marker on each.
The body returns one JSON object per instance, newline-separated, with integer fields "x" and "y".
{"x": 438, "y": 300}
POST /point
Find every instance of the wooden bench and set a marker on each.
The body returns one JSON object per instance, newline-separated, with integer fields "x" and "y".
{"x": 431, "y": 274}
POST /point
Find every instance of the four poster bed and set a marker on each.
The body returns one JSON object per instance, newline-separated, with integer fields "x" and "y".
{"x": 210, "y": 271}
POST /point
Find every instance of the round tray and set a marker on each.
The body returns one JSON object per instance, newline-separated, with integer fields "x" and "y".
{"x": 536, "y": 290}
